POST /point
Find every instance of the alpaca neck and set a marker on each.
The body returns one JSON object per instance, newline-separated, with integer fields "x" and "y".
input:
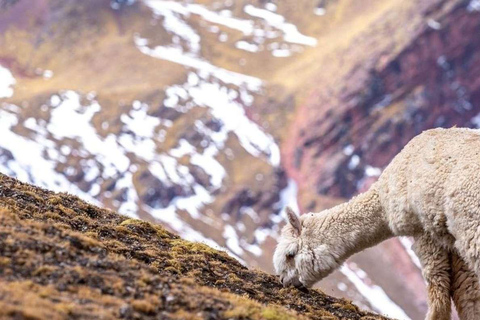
{"x": 357, "y": 225}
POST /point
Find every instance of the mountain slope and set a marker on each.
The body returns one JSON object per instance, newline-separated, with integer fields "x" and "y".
{"x": 210, "y": 116}
{"x": 62, "y": 257}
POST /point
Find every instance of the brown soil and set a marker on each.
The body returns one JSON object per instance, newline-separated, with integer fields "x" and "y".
{"x": 61, "y": 257}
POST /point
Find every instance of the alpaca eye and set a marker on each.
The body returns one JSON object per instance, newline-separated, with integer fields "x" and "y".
{"x": 290, "y": 256}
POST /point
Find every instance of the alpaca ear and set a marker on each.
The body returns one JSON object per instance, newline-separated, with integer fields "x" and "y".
{"x": 294, "y": 221}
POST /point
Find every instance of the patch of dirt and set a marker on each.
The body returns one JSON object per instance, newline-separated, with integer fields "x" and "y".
{"x": 61, "y": 257}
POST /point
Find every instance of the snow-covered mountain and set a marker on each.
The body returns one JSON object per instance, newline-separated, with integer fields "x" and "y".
{"x": 212, "y": 116}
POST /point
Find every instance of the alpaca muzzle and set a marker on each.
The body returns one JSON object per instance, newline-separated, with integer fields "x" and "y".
{"x": 290, "y": 281}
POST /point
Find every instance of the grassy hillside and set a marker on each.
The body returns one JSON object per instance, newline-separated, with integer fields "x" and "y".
{"x": 63, "y": 258}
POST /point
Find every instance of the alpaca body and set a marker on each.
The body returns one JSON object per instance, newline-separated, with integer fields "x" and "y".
{"x": 433, "y": 186}
{"x": 431, "y": 191}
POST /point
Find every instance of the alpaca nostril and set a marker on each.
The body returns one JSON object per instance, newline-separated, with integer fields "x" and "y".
{"x": 284, "y": 281}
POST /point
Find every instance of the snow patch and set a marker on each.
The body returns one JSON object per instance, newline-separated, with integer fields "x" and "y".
{"x": 435, "y": 25}
{"x": 177, "y": 55}
{"x": 7, "y": 81}
{"x": 319, "y": 11}
{"x": 47, "y": 74}
{"x": 252, "y": 248}
{"x": 372, "y": 171}
{"x": 232, "y": 241}
{"x": 288, "y": 196}
{"x": 375, "y": 295}
{"x": 69, "y": 119}
{"x": 407, "y": 243}
{"x": 129, "y": 206}
{"x": 291, "y": 33}
{"x": 210, "y": 165}
{"x": 267, "y": 25}
{"x": 161, "y": 7}
{"x": 476, "y": 121}
{"x": 281, "y": 53}
{"x": 225, "y": 107}
{"x": 354, "y": 162}
{"x": 247, "y": 46}
{"x": 474, "y": 5}
{"x": 271, "y": 6}
{"x": 342, "y": 286}
{"x": 29, "y": 163}
{"x": 206, "y": 161}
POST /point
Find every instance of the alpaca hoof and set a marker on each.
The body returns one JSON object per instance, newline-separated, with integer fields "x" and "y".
{"x": 303, "y": 289}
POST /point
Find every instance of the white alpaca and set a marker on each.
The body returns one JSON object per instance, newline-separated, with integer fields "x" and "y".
{"x": 430, "y": 191}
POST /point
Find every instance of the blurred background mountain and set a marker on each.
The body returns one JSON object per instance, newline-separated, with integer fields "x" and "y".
{"x": 210, "y": 116}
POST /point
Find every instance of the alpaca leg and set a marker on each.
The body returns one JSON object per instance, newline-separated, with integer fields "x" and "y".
{"x": 463, "y": 219}
{"x": 467, "y": 243}
{"x": 465, "y": 289}
{"x": 436, "y": 270}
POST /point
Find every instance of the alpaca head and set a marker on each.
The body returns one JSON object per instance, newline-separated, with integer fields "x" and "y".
{"x": 302, "y": 257}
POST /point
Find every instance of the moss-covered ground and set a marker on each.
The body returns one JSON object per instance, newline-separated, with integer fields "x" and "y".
{"x": 62, "y": 258}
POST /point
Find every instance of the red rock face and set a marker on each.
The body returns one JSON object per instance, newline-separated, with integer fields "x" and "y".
{"x": 432, "y": 82}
